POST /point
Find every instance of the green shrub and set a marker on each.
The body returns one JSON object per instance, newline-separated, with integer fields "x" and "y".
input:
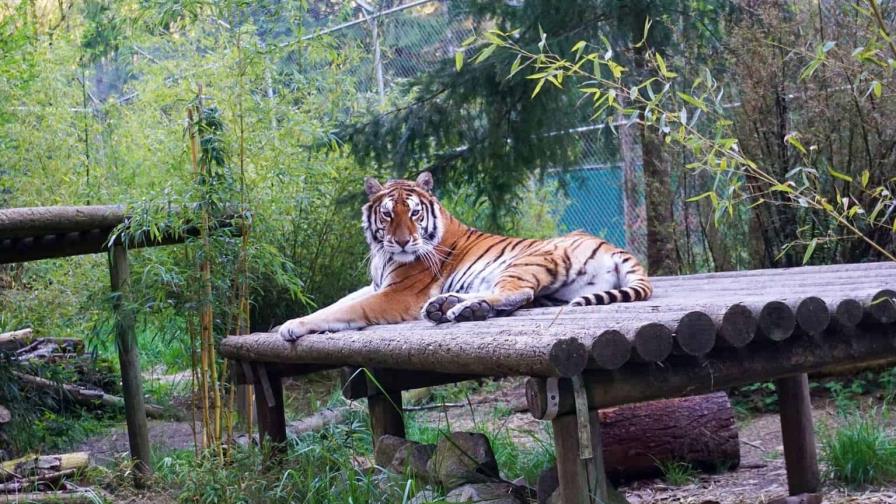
{"x": 859, "y": 450}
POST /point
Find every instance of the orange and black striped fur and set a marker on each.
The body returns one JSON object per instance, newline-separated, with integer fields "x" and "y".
{"x": 427, "y": 264}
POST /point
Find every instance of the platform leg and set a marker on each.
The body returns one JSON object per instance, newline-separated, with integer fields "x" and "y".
{"x": 798, "y": 435}
{"x": 269, "y": 410}
{"x": 581, "y": 481}
{"x": 386, "y": 414}
{"x": 129, "y": 360}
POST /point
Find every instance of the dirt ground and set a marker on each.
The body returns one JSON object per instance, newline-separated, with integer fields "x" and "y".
{"x": 760, "y": 477}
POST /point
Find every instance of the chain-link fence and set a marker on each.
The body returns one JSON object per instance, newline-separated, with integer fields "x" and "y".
{"x": 406, "y": 40}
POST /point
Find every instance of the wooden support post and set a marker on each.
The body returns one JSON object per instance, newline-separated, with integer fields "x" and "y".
{"x": 131, "y": 384}
{"x": 798, "y": 434}
{"x": 386, "y": 413}
{"x": 582, "y": 481}
{"x": 269, "y": 410}
{"x": 243, "y": 402}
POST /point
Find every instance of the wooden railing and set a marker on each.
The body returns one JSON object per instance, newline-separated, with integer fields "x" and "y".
{"x": 29, "y": 234}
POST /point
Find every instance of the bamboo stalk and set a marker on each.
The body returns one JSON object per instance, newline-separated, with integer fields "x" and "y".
{"x": 203, "y": 350}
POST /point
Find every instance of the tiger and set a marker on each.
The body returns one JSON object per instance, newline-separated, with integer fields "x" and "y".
{"x": 426, "y": 264}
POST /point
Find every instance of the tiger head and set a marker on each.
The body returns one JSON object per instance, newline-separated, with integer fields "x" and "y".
{"x": 402, "y": 219}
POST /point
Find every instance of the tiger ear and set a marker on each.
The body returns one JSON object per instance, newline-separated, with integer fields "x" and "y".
{"x": 372, "y": 186}
{"x": 424, "y": 181}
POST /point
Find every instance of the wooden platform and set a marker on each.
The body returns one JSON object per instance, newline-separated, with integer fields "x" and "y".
{"x": 697, "y": 334}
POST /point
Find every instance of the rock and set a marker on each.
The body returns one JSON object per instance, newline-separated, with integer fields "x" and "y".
{"x": 425, "y": 496}
{"x": 461, "y": 458}
{"x": 492, "y": 493}
{"x": 413, "y": 459}
{"x": 385, "y": 449}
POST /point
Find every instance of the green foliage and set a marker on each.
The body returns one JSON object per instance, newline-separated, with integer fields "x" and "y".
{"x": 40, "y": 430}
{"x": 677, "y": 473}
{"x": 318, "y": 468}
{"x": 860, "y": 450}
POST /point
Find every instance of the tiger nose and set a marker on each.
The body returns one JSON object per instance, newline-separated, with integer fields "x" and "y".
{"x": 402, "y": 242}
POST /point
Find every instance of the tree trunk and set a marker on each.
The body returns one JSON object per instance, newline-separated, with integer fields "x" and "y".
{"x": 661, "y": 257}
{"x": 661, "y": 254}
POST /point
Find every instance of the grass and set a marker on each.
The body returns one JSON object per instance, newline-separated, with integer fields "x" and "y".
{"x": 677, "y": 473}
{"x": 318, "y": 468}
{"x": 860, "y": 451}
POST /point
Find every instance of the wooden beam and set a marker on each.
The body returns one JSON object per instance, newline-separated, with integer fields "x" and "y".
{"x": 797, "y": 432}
{"x": 131, "y": 384}
{"x": 866, "y": 347}
{"x": 22, "y": 222}
{"x": 356, "y": 385}
{"x": 451, "y": 350}
{"x": 93, "y": 241}
{"x": 240, "y": 369}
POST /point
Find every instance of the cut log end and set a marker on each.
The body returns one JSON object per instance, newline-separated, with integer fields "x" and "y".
{"x": 568, "y": 357}
{"x": 848, "y": 312}
{"x": 812, "y": 315}
{"x": 777, "y": 321}
{"x": 883, "y": 306}
{"x": 696, "y": 333}
{"x": 739, "y": 326}
{"x": 653, "y": 342}
{"x": 611, "y": 349}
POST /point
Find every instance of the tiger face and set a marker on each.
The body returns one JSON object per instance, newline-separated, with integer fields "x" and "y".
{"x": 402, "y": 219}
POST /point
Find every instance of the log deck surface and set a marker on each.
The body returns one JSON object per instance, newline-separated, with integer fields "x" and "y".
{"x": 697, "y": 334}
{"x": 692, "y": 316}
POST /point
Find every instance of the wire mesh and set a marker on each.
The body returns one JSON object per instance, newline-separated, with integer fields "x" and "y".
{"x": 416, "y": 38}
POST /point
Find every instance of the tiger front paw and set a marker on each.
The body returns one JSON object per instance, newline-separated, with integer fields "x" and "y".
{"x": 294, "y": 329}
{"x": 436, "y": 309}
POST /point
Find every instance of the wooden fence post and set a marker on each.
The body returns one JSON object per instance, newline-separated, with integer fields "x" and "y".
{"x": 131, "y": 384}
{"x": 798, "y": 434}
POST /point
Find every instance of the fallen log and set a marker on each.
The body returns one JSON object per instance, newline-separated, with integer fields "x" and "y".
{"x": 48, "y": 479}
{"x": 42, "y": 465}
{"x": 45, "y": 348}
{"x": 86, "y": 396}
{"x": 14, "y": 340}
{"x": 319, "y": 420}
{"x": 69, "y": 497}
{"x": 699, "y": 431}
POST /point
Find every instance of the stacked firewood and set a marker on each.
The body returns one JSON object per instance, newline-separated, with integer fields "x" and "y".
{"x": 45, "y": 478}
{"x": 25, "y": 348}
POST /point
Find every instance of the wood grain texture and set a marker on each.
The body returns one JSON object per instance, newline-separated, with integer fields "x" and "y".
{"x": 35, "y": 221}
{"x": 554, "y": 353}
